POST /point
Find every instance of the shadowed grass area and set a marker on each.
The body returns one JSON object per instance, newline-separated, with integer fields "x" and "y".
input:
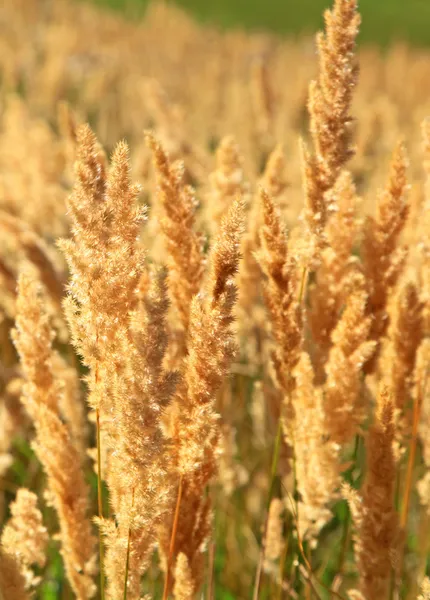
{"x": 384, "y": 21}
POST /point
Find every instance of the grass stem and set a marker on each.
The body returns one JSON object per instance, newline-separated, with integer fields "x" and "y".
{"x": 302, "y": 285}
{"x": 409, "y": 471}
{"x": 173, "y": 539}
{"x": 100, "y": 505}
{"x": 127, "y": 560}
{"x": 273, "y": 471}
{"x": 282, "y": 568}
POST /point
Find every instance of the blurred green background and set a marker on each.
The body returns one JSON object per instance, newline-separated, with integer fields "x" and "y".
{"x": 384, "y": 21}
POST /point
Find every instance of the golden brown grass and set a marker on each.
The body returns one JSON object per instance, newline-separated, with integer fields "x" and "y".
{"x": 213, "y": 333}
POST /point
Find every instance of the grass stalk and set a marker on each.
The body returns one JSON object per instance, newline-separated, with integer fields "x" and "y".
{"x": 282, "y": 562}
{"x": 309, "y": 587}
{"x": 273, "y": 471}
{"x": 412, "y": 454}
{"x": 211, "y": 581}
{"x": 302, "y": 552}
{"x": 409, "y": 472}
{"x": 274, "y": 468}
{"x": 100, "y": 505}
{"x": 173, "y": 538}
{"x": 410, "y": 466}
{"x": 346, "y": 529}
{"x": 302, "y": 285}
{"x": 424, "y": 545}
{"x": 127, "y": 560}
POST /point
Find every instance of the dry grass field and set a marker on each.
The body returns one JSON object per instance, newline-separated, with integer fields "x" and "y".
{"x": 214, "y": 309}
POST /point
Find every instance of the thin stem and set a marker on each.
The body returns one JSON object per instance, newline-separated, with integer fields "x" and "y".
{"x": 409, "y": 471}
{"x": 303, "y": 554}
{"x": 173, "y": 539}
{"x": 295, "y": 491}
{"x": 100, "y": 505}
{"x": 307, "y": 576}
{"x": 273, "y": 471}
{"x": 275, "y": 459}
{"x": 347, "y": 520}
{"x": 395, "y": 570}
{"x": 411, "y": 461}
{"x": 127, "y": 561}
{"x": 281, "y": 568}
{"x": 302, "y": 284}
{"x": 338, "y": 578}
{"x": 211, "y": 570}
{"x": 309, "y": 587}
{"x": 424, "y": 546}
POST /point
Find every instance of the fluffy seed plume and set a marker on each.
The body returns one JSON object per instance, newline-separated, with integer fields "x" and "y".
{"x": 345, "y": 409}
{"x": 425, "y": 590}
{"x": 281, "y": 294}
{"x": 226, "y": 182}
{"x": 251, "y": 314}
{"x": 104, "y": 259}
{"x": 138, "y": 465}
{"x": 184, "y": 243}
{"x": 37, "y": 254}
{"x": 184, "y": 585}
{"x": 329, "y": 105}
{"x": 195, "y": 426}
{"x": 213, "y": 345}
{"x": 274, "y": 541}
{"x": 24, "y": 535}
{"x": 118, "y": 321}
{"x": 316, "y": 456}
{"x": 374, "y": 514}
{"x": 383, "y": 258}
{"x": 404, "y": 337}
{"x": 337, "y": 272}
{"x": 274, "y": 179}
{"x": 53, "y": 445}
{"x": 71, "y": 403}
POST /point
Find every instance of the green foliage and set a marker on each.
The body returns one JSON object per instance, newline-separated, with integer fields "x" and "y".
{"x": 384, "y": 21}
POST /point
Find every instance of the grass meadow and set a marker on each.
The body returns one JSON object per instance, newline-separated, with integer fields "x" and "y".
{"x": 215, "y": 300}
